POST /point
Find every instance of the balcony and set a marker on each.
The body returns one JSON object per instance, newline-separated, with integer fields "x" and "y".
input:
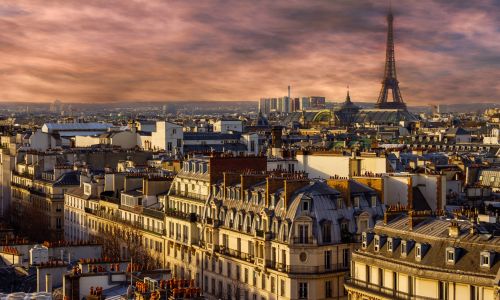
{"x": 297, "y": 269}
{"x": 189, "y": 217}
{"x": 303, "y": 240}
{"x": 213, "y": 222}
{"x": 153, "y": 213}
{"x": 23, "y": 174}
{"x": 117, "y": 218}
{"x": 189, "y": 195}
{"x": 387, "y": 293}
{"x": 236, "y": 254}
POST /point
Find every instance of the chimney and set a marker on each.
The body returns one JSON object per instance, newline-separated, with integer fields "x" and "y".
{"x": 416, "y": 217}
{"x": 272, "y": 185}
{"x": 247, "y": 180}
{"x": 230, "y": 178}
{"x": 454, "y": 229}
{"x": 343, "y": 186}
{"x": 292, "y": 185}
{"x": 410, "y": 192}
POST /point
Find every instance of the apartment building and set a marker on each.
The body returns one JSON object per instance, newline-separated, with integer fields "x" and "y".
{"x": 259, "y": 235}
{"x": 122, "y": 211}
{"x": 420, "y": 255}
{"x": 38, "y": 184}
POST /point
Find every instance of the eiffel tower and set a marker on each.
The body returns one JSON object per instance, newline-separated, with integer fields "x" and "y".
{"x": 390, "y": 81}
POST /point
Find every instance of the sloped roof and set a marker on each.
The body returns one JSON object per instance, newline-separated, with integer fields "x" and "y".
{"x": 76, "y": 126}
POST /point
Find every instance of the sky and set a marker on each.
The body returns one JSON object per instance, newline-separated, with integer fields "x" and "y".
{"x": 159, "y": 50}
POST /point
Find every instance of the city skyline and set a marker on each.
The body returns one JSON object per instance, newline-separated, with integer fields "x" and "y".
{"x": 153, "y": 51}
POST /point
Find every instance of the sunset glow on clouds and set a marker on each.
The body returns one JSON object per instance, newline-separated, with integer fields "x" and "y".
{"x": 124, "y": 50}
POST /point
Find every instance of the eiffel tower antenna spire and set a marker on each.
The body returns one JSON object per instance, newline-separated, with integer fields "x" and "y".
{"x": 390, "y": 83}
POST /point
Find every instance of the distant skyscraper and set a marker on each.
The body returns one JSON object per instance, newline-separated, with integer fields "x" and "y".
{"x": 265, "y": 106}
{"x": 55, "y": 107}
{"x": 304, "y": 103}
{"x": 316, "y": 102}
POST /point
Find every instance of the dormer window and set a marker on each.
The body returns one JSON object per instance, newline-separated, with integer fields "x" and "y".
{"x": 356, "y": 202}
{"x": 340, "y": 203}
{"x": 451, "y": 255}
{"x": 377, "y": 243}
{"x": 419, "y": 251}
{"x": 305, "y": 205}
{"x": 486, "y": 259}
{"x": 366, "y": 239}
{"x": 390, "y": 245}
{"x": 405, "y": 245}
{"x": 374, "y": 201}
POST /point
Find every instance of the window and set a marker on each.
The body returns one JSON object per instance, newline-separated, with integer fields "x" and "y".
{"x": 377, "y": 243}
{"x": 328, "y": 260}
{"x": 356, "y": 202}
{"x": 443, "y": 290}
{"x": 282, "y": 288}
{"x": 340, "y": 203}
{"x": 374, "y": 201}
{"x": 345, "y": 257}
{"x": 474, "y": 293}
{"x": 450, "y": 256}
{"x": 418, "y": 252}
{"x": 263, "y": 282}
{"x": 403, "y": 248}
{"x": 229, "y": 269}
{"x": 389, "y": 245}
{"x": 363, "y": 225}
{"x": 302, "y": 290}
{"x": 303, "y": 234}
{"x": 485, "y": 259}
{"x": 328, "y": 289}
{"x": 305, "y": 205}
{"x": 327, "y": 233}
{"x": 273, "y": 285}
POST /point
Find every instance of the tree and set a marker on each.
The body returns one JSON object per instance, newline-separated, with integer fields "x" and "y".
{"x": 115, "y": 238}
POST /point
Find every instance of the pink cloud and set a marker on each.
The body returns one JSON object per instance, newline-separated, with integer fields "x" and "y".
{"x": 233, "y": 50}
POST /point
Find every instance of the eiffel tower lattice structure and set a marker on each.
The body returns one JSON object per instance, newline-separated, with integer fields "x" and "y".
{"x": 390, "y": 84}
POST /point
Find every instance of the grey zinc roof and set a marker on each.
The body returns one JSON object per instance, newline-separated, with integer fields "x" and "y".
{"x": 76, "y": 126}
{"x": 434, "y": 233}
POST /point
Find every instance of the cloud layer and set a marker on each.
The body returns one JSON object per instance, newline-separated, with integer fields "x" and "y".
{"x": 101, "y": 51}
